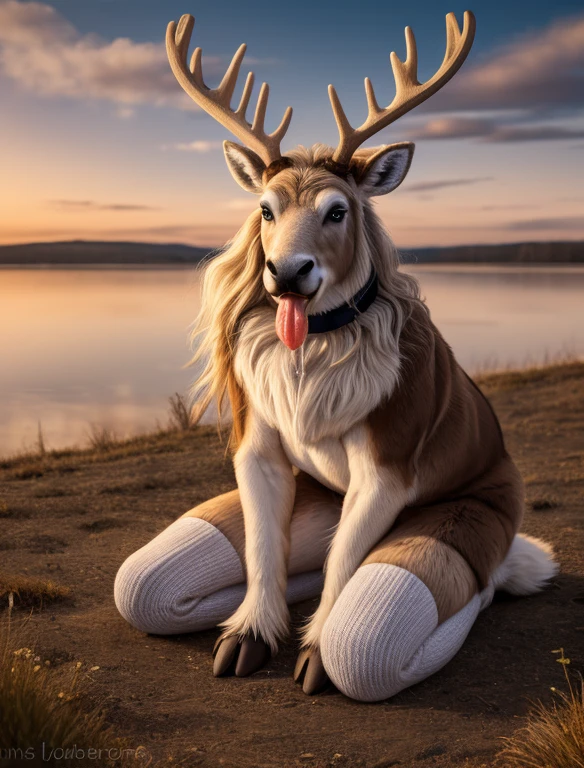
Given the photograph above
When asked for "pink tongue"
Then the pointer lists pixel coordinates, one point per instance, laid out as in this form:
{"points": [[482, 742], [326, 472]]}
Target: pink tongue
{"points": [[291, 320]]}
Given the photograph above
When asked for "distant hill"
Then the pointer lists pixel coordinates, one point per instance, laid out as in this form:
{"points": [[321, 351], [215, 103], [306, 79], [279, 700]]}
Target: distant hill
{"points": [[95, 252], [511, 253], [108, 253]]}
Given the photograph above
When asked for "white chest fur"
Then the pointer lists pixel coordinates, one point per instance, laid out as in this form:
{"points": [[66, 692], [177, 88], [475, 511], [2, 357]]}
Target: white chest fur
{"points": [[315, 395], [325, 460]]}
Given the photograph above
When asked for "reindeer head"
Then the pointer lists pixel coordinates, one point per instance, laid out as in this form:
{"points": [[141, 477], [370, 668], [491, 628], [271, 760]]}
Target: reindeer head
{"points": [[312, 201]]}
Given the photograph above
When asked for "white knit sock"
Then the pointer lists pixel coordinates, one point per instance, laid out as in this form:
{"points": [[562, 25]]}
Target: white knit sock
{"points": [[189, 578], [382, 634]]}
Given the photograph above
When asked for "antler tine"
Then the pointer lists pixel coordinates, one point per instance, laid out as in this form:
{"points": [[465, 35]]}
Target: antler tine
{"points": [[183, 33], [409, 92], [453, 34], [405, 73], [227, 86], [343, 124], [411, 62], [280, 131], [217, 102], [197, 67], [246, 95], [372, 104], [260, 111]]}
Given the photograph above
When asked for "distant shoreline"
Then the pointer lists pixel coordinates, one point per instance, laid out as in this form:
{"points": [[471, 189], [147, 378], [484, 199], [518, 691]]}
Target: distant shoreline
{"points": [[92, 254], [439, 266], [121, 266]]}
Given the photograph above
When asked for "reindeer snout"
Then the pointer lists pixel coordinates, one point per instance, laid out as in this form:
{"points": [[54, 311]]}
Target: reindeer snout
{"points": [[292, 276]]}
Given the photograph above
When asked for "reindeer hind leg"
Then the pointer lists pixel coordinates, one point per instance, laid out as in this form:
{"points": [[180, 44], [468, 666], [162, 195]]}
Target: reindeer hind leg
{"points": [[413, 601]]}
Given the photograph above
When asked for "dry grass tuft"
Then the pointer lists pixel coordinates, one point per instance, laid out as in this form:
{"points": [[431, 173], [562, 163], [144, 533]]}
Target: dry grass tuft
{"points": [[42, 721], [41, 447], [102, 438], [29, 470], [31, 592], [180, 416], [553, 736]]}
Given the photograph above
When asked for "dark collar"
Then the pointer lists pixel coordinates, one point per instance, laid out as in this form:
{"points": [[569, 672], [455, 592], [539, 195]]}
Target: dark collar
{"points": [[347, 312]]}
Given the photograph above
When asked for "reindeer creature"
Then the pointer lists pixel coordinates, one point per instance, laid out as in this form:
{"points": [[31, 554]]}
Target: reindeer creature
{"points": [[357, 437]]}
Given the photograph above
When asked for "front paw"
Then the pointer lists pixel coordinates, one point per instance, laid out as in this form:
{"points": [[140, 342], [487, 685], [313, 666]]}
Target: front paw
{"points": [[310, 672], [240, 655], [260, 615]]}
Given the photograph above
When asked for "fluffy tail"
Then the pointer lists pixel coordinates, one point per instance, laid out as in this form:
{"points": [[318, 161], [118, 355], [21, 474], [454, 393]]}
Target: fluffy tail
{"points": [[528, 567]]}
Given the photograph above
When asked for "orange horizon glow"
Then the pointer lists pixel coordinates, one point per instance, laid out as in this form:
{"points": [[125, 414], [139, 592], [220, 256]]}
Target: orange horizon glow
{"points": [[94, 149]]}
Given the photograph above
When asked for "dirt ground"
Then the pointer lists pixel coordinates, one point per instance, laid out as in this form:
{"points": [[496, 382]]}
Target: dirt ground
{"points": [[75, 516]]}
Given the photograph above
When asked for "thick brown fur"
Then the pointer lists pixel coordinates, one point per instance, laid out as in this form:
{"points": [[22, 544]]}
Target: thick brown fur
{"points": [[438, 426]]}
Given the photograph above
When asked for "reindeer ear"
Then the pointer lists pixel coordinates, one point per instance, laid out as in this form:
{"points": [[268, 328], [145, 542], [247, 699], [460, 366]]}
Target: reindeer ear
{"points": [[382, 170], [246, 167]]}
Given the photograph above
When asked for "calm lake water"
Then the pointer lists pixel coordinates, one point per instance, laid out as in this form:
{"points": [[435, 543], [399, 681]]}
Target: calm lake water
{"points": [[108, 346]]}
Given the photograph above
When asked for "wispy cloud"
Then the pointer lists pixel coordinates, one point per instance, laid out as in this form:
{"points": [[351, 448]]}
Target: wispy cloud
{"points": [[561, 223], [537, 71], [242, 203], [125, 113], [452, 128], [195, 146], [433, 186], [91, 205], [515, 133], [510, 207], [43, 52], [489, 131]]}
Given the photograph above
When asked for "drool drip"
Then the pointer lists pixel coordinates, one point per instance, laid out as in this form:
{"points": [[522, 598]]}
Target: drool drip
{"points": [[299, 371], [299, 361]]}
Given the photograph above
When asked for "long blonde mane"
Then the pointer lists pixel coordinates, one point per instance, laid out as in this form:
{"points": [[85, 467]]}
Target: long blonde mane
{"points": [[232, 287]]}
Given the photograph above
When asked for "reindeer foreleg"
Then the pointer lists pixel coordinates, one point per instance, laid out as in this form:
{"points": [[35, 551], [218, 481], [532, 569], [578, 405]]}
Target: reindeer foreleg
{"points": [[375, 497], [267, 487]]}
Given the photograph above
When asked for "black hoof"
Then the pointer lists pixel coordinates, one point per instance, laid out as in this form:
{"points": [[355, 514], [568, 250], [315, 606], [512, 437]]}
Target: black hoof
{"points": [[240, 656], [310, 672]]}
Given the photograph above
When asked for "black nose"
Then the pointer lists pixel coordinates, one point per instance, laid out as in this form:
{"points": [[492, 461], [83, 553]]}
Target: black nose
{"points": [[305, 268], [300, 272]]}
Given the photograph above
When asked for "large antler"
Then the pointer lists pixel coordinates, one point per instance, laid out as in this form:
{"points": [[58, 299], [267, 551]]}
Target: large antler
{"points": [[409, 92], [217, 101]]}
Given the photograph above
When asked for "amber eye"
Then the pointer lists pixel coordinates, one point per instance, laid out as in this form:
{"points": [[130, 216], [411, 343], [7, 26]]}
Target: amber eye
{"points": [[336, 214], [267, 215]]}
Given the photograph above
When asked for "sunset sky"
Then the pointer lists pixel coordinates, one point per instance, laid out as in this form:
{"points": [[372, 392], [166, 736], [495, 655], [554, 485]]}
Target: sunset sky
{"points": [[99, 142]]}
